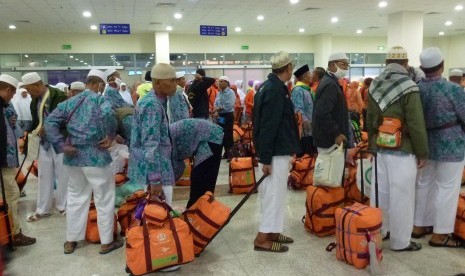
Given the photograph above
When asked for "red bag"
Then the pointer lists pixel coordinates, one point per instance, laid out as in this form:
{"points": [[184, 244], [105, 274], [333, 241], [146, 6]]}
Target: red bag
{"points": [[241, 175]]}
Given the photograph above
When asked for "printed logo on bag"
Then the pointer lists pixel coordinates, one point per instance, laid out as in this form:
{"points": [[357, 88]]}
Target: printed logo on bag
{"points": [[165, 249], [363, 243], [162, 237]]}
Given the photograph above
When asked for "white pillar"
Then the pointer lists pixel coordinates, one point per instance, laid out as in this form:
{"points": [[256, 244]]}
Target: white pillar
{"points": [[406, 29], [323, 49], [162, 47]]}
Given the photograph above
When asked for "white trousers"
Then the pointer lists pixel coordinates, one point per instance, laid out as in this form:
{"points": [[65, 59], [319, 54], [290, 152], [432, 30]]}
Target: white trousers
{"points": [[437, 194], [51, 171], [396, 179], [272, 193], [83, 182]]}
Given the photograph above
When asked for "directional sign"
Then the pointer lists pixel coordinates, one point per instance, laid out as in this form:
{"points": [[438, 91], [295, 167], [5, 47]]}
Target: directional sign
{"points": [[213, 30], [114, 29]]}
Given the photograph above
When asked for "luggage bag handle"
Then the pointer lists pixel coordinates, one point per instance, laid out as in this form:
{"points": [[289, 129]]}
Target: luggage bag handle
{"points": [[362, 181]]}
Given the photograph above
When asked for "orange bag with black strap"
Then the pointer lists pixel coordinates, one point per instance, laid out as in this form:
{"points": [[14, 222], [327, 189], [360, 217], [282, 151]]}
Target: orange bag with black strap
{"points": [[248, 132], [122, 177], [301, 174], [238, 133], [185, 179], [460, 218], [127, 208], [205, 218], [241, 175], [4, 231], [92, 234], [321, 205]]}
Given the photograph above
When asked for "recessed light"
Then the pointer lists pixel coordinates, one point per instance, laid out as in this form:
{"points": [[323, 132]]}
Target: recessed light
{"points": [[441, 33], [359, 31], [93, 27], [169, 28], [86, 14], [81, 61], [301, 30], [179, 56], [334, 19], [178, 15], [294, 1], [76, 59], [26, 55], [71, 57], [151, 57], [45, 61], [238, 29], [382, 4], [458, 8], [221, 56], [85, 63], [260, 17], [448, 23], [12, 27]]}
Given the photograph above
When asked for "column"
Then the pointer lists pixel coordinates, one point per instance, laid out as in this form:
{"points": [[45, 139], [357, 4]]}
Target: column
{"points": [[162, 47], [323, 49], [406, 29]]}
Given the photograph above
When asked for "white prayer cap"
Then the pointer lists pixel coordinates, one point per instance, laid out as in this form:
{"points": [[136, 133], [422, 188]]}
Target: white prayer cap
{"points": [[163, 71], [431, 57], [110, 71], [456, 73], [179, 75], [280, 59], [61, 85], [396, 53], [21, 90], [19, 84], [30, 78], [97, 73], [228, 79], [123, 84], [77, 85], [9, 79], [338, 56]]}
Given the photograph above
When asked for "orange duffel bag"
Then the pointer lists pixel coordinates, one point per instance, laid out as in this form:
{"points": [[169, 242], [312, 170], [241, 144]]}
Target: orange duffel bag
{"points": [[92, 234], [127, 208], [241, 175], [460, 218], [238, 133], [4, 231], [205, 218], [149, 249], [301, 174], [321, 205], [185, 179], [248, 132]]}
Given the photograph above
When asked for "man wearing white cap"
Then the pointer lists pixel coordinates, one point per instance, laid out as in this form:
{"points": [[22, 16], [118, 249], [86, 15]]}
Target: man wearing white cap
{"points": [[44, 100], [276, 139], [394, 102], [125, 93], [23, 109], [76, 88], [91, 126], [456, 76], [178, 104], [62, 86], [224, 112], [438, 184], [9, 159], [330, 116]]}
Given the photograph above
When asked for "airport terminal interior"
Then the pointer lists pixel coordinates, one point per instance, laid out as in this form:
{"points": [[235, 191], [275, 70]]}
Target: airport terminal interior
{"points": [[62, 40]]}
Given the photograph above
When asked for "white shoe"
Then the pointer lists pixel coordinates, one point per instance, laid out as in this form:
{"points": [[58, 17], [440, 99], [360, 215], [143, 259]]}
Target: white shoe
{"points": [[171, 269]]}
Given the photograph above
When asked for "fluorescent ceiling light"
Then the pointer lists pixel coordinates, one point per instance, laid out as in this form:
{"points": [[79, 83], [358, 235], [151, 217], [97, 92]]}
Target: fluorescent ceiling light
{"points": [[238, 29], [178, 15], [382, 4], [448, 23], [334, 19], [294, 1], [441, 33], [260, 17], [301, 30], [458, 8], [359, 31], [169, 28], [12, 27], [93, 27], [86, 14], [71, 57]]}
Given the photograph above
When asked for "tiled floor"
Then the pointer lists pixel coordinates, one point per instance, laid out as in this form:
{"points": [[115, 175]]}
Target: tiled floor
{"points": [[231, 253]]}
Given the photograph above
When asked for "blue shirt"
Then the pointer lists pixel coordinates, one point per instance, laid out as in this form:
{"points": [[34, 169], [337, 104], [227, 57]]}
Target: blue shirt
{"points": [[92, 121], [225, 99], [178, 106], [11, 138], [303, 103], [113, 95]]}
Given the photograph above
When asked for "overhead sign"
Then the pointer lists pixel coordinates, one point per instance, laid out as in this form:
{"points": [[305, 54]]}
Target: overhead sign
{"points": [[115, 29], [213, 30], [66, 47], [244, 47]]}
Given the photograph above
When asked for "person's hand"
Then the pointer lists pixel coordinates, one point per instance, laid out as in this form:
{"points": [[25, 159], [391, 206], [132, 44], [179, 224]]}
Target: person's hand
{"points": [[69, 150], [351, 156], [105, 143], [341, 138], [156, 193], [266, 169], [421, 163], [41, 132]]}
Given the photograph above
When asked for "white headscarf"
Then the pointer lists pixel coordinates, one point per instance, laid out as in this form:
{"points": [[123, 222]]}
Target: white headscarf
{"points": [[240, 91]]}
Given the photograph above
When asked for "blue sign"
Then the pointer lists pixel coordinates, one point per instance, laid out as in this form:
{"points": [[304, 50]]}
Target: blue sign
{"points": [[213, 30], [114, 29]]}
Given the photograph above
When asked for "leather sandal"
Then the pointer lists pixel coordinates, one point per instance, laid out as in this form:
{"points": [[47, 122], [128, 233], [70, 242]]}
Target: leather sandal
{"points": [[445, 243], [413, 246], [69, 247], [426, 231], [275, 247], [115, 245]]}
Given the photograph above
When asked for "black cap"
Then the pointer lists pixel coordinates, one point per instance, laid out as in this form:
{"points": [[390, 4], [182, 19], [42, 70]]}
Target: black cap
{"points": [[147, 76], [200, 72], [302, 70]]}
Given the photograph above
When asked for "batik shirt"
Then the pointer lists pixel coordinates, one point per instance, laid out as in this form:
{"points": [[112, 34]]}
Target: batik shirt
{"points": [[11, 138], [444, 110], [150, 150], [92, 121], [225, 99], [303, 103], [115, 98], [178, 106], [189, 138]]}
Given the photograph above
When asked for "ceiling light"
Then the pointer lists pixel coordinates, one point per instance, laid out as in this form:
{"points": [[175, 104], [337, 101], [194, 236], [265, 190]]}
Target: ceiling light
{"points": [[93, 27], [70, 56], [301, 30], [294, 1], [81, 61], [86, 14], [169, 28], [26, 55], [238, 29], [85, 63], [458, 8], [178, 15], [441, 33], [76, 59], [448, 23], [221, 56], [334, 19], [382, 4], [359, 31], [12, 27], [45, 61], [260, 17], [151, 57]]}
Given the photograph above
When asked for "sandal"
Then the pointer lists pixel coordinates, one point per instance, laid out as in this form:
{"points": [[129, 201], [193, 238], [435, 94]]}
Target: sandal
{"points": [[445, 243], [426, 231], [62, 213], [283, 239], [275, 247], [37, 217], [413, 246], [115, 245], [69, 247], [387, 237]]}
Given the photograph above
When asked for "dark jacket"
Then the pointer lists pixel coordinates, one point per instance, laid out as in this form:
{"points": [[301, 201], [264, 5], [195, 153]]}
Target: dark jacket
{"points": [[198, 97], [330, 115], [275, 130], [56, 96], [3, 138]]}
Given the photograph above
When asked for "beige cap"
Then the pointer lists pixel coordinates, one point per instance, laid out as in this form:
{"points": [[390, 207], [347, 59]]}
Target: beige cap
{"points": [[338, 56], [456, 73], [280, 59], [397, 52], [77, 85], [163, 71], [97, 73], [9, 79], [30, 78]]}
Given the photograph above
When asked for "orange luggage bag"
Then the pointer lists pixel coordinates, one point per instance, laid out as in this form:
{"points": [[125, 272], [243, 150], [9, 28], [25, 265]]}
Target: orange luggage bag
{"points": [[205, 218], [5, 228], [92, 234], [460, 218], [127, 208], [185, 179], [241, 175], [301, 174]]}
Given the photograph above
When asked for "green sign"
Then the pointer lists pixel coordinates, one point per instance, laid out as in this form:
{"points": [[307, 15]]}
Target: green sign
{"points": [[381, 48], [66, 46], [245, 47]]}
